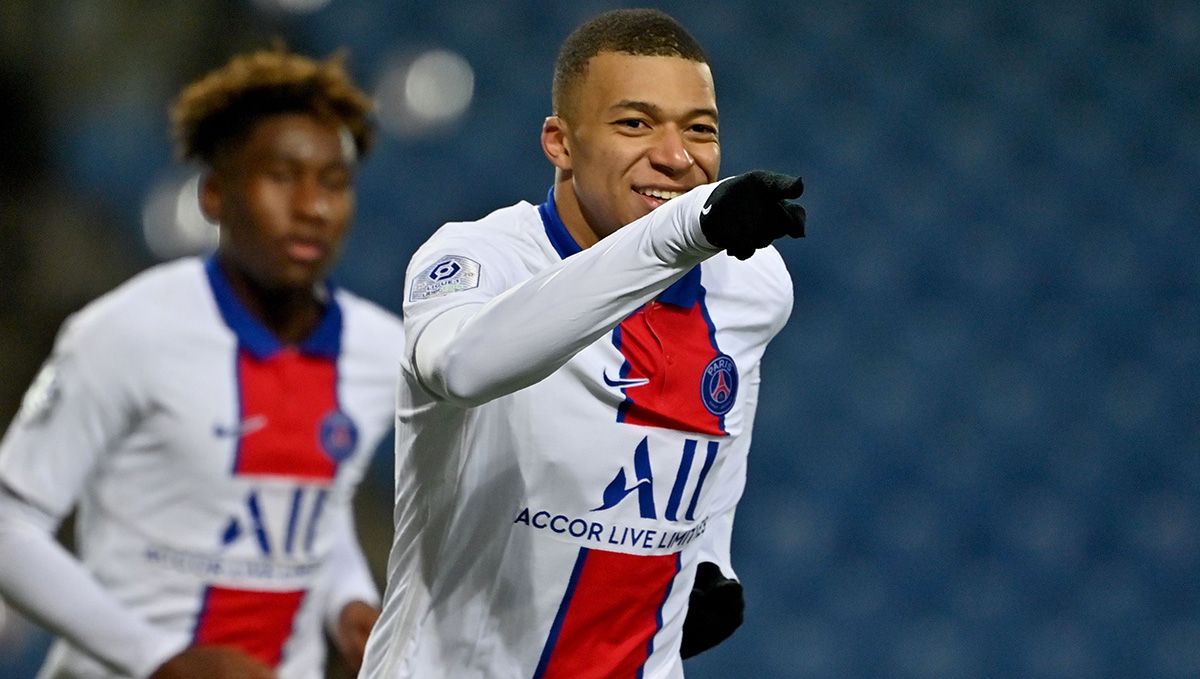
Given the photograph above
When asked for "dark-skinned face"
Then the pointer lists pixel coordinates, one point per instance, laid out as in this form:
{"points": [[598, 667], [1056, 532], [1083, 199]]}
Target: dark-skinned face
{"points": [[284, 198]]}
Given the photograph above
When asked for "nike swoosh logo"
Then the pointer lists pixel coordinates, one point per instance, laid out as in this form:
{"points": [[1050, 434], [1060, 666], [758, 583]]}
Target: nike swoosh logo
{"points": [[625, 383], [244, 428], [705, 210]]}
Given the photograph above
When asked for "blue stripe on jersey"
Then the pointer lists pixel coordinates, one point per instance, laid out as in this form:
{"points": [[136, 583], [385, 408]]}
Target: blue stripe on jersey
{"points": [[556, 231], [325, 340], [621, 409]]}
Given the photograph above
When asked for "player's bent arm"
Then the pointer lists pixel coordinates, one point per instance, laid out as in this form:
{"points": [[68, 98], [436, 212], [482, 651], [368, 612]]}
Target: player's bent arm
{"points": [[347, 577], [473, 353], [52, 587]]}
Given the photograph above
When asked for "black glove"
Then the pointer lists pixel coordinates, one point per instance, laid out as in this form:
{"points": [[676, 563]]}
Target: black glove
{"points": [[751, 210], [714, 610]]}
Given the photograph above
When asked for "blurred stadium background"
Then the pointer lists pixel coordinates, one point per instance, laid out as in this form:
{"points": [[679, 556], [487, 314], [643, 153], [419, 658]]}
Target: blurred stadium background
{"points": [[978, 452]]}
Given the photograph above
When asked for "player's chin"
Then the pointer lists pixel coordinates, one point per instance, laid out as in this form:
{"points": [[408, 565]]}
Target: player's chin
{"points": [[300, 275]]}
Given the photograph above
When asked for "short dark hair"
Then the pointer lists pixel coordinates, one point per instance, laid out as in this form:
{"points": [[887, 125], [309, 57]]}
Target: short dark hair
{"points": [[640, 32], [221, 107]]}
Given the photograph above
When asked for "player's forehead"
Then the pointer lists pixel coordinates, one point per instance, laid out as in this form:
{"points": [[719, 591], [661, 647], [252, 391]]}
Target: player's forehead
{"points": [[670, 83], [298, 137]]}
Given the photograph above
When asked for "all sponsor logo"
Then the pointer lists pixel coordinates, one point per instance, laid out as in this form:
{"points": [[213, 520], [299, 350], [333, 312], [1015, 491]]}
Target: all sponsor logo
{"points": [[635, 482]]}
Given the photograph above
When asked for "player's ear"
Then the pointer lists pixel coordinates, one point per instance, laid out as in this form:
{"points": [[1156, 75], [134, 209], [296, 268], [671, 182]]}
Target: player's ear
{"points": [[210, 196], [554, 142]]}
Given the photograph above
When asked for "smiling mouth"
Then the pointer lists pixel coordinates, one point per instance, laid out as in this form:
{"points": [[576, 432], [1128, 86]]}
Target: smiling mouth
{"points": [[659, 194]]}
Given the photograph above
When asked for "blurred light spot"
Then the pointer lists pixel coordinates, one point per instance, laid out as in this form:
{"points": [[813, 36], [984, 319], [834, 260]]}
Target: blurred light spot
{"points": [[297, 6], [172, 222], [424, 94]]}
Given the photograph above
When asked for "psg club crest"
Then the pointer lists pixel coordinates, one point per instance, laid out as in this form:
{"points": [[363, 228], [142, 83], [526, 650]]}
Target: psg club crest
{"points": [[718, 385], [339, 436]]}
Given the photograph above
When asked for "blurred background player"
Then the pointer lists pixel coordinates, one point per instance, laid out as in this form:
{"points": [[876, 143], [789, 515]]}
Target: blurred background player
{"points": [[578, 394], [211, 419]]}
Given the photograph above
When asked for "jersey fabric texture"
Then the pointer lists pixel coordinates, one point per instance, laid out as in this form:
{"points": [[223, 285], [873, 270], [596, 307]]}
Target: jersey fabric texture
{"points": [[213, 467], [554, 531]]}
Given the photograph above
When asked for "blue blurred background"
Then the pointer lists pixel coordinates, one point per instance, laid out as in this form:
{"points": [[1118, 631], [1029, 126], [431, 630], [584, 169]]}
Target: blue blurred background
{"points": [[978, 450]]}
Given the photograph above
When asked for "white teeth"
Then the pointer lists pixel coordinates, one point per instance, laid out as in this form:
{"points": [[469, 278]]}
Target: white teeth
{"points": [[660, 194]]}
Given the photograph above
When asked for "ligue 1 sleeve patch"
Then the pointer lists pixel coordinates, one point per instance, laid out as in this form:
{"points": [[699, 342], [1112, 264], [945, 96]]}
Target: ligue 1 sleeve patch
{"points": [[450, 274], [41, 397]]}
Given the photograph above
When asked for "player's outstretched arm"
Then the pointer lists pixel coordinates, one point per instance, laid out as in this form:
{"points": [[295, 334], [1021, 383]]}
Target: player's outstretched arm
{"points": [[473, 353]]}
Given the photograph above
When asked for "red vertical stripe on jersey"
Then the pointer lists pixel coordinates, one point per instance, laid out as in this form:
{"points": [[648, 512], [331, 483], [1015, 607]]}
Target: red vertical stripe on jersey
{"points": [[258, 623], [284, 398], [609, 617], [671, 346]]}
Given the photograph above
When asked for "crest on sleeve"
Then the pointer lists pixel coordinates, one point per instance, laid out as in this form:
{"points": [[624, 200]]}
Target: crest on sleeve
{"points": [[41, 396], [451, 273]]}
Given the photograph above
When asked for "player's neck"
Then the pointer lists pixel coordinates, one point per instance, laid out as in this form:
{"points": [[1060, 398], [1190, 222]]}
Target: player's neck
{"points": [[291, 314], [571, 214]]}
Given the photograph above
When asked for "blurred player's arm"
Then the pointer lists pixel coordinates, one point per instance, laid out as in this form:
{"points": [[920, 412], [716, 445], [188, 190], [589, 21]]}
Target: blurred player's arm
{"points": [[79, 405], [47, 583], [74, 411], [351, 601]]}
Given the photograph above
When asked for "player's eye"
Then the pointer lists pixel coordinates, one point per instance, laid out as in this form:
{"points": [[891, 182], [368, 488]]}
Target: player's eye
{"points": [[633, 124], [338, 180], [280, 173], [704, 129]]}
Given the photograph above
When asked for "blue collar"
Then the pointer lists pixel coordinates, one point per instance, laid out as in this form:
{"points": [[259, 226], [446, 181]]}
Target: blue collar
{"points": [[325, 340], [556, 231], [683, 293]]}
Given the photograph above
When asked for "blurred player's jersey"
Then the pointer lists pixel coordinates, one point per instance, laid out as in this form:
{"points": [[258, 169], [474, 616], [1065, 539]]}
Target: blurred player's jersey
{"points": [[554, 532], [212, 466]]}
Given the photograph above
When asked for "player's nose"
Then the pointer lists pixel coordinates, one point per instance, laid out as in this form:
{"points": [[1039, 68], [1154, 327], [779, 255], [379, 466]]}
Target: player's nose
{"points": [[311, 201], [670, 154]]}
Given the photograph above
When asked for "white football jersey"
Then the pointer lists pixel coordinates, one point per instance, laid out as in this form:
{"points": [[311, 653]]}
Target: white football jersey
{"points": [[554, 531], [213, 467]]}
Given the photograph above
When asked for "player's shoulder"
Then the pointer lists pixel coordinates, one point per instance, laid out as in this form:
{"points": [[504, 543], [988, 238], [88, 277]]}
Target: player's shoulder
{"points": [[509, 228], [368, 322], [145, 306]]}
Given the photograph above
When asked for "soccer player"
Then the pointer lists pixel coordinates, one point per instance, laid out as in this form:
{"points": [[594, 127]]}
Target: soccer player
{"points": [[579, 387], [211, 419]]}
